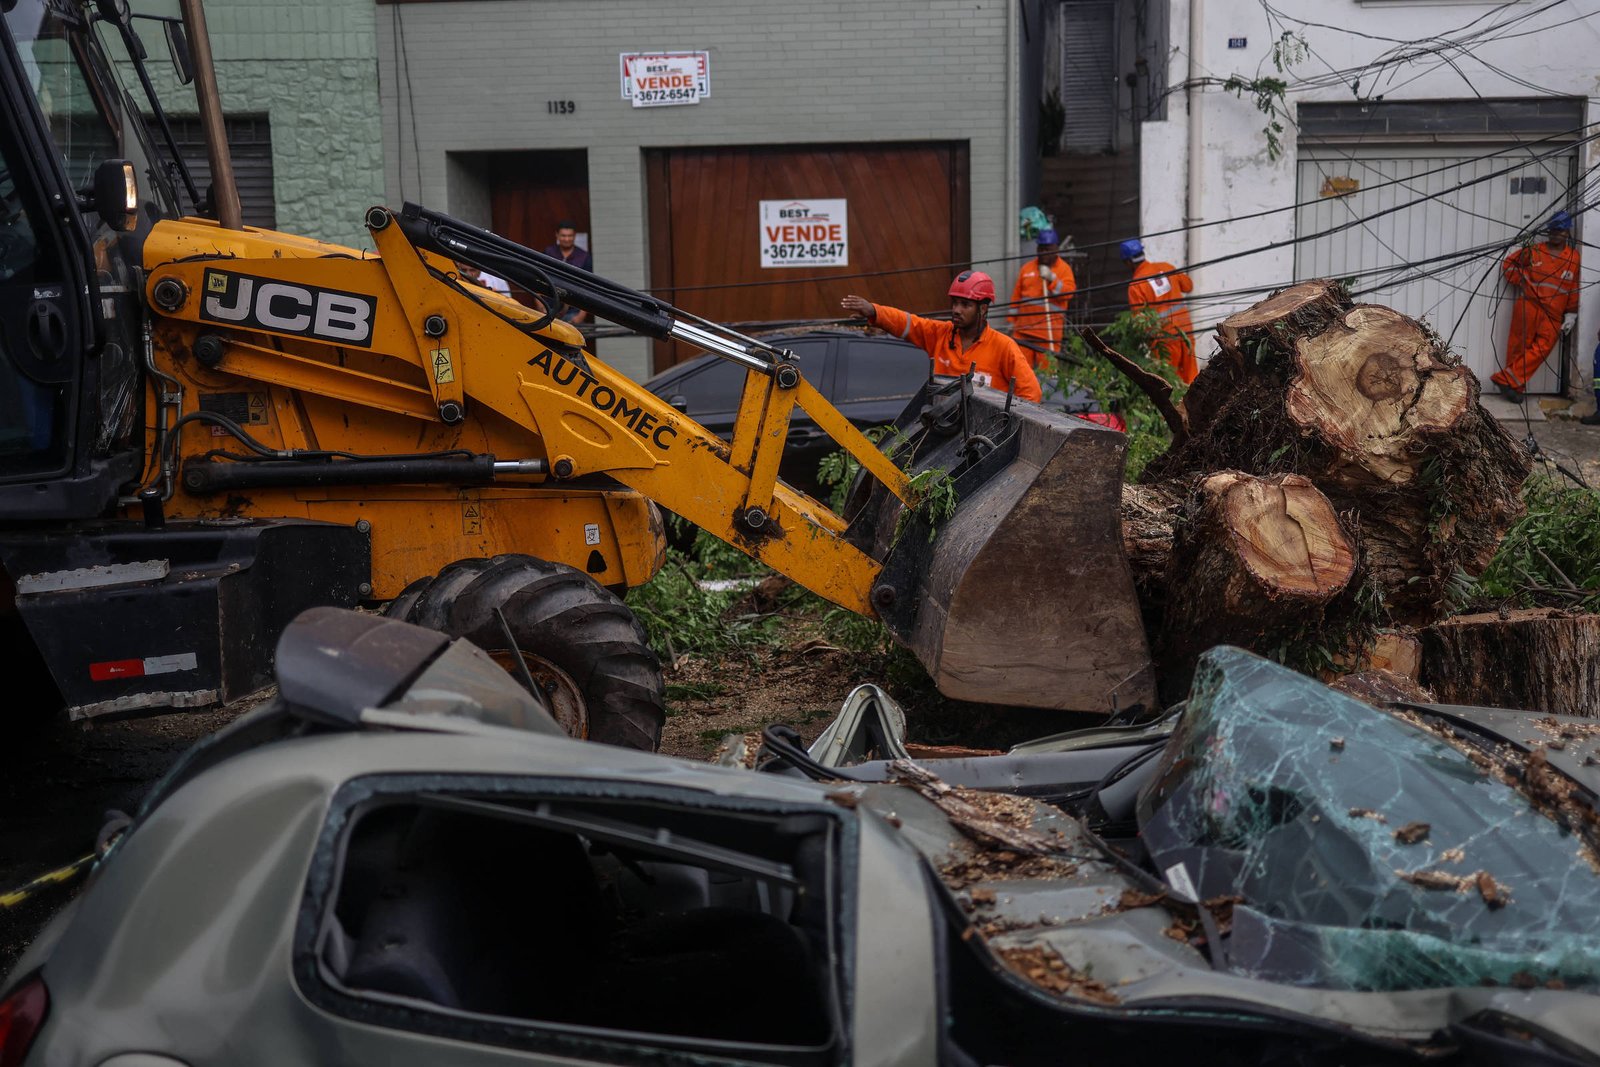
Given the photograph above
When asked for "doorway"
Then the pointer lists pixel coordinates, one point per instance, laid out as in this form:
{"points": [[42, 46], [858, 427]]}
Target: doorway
{"points": [[531, 192]]}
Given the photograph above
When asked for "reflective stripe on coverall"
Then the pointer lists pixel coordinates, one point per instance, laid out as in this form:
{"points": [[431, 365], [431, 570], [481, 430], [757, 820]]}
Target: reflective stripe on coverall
{"points": [[997, 356], [1038, 307], [1546, 282], [1165, 294]]}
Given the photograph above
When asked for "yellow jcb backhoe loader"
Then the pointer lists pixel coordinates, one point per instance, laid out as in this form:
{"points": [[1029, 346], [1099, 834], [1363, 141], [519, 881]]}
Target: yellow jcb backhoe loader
{"points": [[211, 427]]}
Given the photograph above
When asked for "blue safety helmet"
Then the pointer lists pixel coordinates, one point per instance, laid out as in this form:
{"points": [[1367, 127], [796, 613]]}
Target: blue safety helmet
{"points": [[1560, 221], [1048, 236], [1132, 248]]}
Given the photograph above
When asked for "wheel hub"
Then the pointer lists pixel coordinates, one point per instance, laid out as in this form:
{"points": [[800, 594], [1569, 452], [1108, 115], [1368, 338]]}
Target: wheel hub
{"points": [[559, 693]]}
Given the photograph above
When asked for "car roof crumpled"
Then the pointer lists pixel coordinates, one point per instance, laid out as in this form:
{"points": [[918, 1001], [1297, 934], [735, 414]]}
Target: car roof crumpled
{"points": [[1365, 851]]}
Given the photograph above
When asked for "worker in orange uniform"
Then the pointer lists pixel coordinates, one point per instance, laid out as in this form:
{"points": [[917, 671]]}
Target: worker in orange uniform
{"points": [[965, 342], [1545, 276], [1040, 299], [1160, 287]]}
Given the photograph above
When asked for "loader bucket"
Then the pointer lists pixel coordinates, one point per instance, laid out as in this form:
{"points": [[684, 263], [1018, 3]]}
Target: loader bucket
{"points": [[1023, 596]]}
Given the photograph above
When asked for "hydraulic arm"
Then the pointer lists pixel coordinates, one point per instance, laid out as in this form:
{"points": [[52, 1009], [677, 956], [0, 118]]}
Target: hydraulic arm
{"points": [[504, 395]]}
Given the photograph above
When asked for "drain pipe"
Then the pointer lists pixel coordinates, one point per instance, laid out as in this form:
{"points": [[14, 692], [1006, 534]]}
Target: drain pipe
{"points": [[1195, 201], [224, 192]]}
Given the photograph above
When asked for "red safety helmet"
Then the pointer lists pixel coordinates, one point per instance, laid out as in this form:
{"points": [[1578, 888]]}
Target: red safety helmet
{"points": [[973, 285]]}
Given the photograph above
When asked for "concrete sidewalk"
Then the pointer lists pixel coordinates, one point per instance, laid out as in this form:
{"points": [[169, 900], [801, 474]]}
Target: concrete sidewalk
{"points": [[1553, 423]]}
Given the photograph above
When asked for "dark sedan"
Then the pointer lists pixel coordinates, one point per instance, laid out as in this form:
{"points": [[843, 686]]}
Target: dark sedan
{"points": [[870, 379]]}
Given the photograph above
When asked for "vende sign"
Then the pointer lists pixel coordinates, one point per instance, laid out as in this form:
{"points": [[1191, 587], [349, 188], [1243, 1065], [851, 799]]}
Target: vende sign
{"points": [[805, 233], [661, 79]]}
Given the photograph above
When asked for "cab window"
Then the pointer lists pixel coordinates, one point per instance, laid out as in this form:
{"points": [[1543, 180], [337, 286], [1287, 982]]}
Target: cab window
{"points": [[75, 107]]}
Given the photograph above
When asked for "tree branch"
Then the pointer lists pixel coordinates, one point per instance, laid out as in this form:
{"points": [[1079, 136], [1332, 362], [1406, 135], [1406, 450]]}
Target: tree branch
{"points": [[1154, 386]]}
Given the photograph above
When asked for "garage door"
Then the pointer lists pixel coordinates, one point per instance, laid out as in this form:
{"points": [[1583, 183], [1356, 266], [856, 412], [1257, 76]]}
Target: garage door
{"points": [[1413, 251], [249, 145], [905, 205]]}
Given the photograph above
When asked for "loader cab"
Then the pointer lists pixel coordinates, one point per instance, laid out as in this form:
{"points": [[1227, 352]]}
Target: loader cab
{"points": [[79, 189]]}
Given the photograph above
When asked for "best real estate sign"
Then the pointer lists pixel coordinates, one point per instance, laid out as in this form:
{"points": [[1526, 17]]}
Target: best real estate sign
{"points": [[805, 233], [662, 79]]}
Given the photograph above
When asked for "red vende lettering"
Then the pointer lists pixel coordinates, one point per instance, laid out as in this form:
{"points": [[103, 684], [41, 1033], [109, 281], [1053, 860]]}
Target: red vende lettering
{"points": [[835, 233], [772, 233]]}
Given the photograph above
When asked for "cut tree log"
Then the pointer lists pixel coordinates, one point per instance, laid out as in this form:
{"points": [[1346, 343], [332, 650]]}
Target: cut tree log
{"points": [[1372, 408], [1256, 563], [1541, 659], [1403, 486]]}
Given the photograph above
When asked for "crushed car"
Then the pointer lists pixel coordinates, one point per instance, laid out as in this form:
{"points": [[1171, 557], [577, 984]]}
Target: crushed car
{"points": [[402, 860]]}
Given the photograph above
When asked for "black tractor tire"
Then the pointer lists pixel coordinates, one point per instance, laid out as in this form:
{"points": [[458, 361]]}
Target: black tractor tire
{"points": [[580, 641]]}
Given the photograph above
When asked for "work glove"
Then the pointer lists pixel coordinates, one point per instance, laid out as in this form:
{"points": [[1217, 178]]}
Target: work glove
{"points": [[1047, 274], [1568, 322]]}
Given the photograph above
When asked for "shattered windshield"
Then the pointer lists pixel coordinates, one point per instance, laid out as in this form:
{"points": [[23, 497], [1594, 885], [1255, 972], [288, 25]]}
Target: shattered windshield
{"points": [[1363, 853]]}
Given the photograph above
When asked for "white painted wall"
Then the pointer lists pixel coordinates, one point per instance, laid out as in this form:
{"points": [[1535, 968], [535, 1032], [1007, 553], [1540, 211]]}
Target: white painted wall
{"points": [[476, 74], [1548, 49]]}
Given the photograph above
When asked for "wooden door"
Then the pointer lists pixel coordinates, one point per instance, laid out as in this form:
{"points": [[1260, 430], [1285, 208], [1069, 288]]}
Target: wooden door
{"points": [[908, 226], [532, 191]]}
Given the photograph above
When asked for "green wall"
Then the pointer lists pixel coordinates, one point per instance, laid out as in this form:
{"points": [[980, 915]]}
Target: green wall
{"points": [[312, 69]]}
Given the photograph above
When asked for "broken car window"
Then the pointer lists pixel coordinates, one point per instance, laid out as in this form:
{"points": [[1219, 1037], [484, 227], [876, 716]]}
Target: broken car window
{"points": [[1364, 853]]}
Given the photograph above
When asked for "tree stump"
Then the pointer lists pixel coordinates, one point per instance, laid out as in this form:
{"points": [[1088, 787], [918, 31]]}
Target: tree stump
{"points": [[1541, 659], [1257, 562]]}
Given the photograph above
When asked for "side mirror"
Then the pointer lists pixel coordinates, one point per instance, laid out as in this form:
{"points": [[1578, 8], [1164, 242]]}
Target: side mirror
{"points": [[679, 401], [115, 194], [178, 49]]}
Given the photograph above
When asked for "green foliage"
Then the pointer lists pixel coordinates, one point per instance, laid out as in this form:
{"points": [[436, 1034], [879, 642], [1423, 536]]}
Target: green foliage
{"points": [[1133, 335], [933, 500], [1552, 555], [694, 690], [852, 632], [1317, 646], [681, 617], [1268, 92], [838, 469]]}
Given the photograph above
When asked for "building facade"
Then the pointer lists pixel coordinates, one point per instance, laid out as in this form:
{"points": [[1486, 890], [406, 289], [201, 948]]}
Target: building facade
{"points": [[299, 85], [900, 120], [1411, 169]]}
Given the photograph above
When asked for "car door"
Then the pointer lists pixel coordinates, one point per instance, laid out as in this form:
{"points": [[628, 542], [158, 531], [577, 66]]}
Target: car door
{"points": [[708, 391], [876, 377]]}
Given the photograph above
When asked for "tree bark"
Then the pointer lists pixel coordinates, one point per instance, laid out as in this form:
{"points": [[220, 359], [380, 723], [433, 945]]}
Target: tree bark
{"points": [[1381, 417], [1256, 563], [1402, 484], [1541, 659]]}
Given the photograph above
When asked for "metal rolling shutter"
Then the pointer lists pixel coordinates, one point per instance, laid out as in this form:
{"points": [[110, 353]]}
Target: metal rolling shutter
{"points": [[250, 143], [1088, 74], [1467, 302]]}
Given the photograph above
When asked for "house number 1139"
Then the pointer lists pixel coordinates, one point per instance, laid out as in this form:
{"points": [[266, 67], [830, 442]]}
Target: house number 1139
{"points": [[561, 107]]}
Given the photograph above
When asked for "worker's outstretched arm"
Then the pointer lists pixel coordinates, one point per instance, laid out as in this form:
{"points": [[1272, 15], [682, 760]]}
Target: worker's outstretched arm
{"points": [[924, 333], [1184, 282]]}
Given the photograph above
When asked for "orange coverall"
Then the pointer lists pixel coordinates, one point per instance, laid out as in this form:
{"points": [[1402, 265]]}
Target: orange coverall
{"points": [[1149, 290], [997, 356], [1038, 307], [1547, 289]]}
